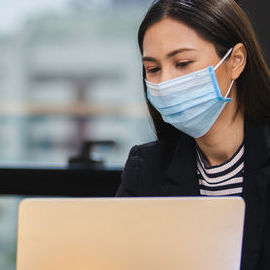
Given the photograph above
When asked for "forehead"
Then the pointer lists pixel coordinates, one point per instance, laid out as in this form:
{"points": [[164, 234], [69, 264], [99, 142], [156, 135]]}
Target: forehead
{"points": [[168, 35]]}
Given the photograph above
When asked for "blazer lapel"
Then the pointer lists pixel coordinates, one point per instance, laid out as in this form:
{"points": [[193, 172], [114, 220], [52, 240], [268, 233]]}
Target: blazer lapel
{"points": [[182, 173]]}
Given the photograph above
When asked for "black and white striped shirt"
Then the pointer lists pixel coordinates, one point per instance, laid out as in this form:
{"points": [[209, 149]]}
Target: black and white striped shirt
{"points": [[224, 179]]}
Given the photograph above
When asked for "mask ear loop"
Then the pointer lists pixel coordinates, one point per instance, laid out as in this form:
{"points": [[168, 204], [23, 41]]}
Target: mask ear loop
{"points": [[220, 63], [228, 92], [223, 59]]}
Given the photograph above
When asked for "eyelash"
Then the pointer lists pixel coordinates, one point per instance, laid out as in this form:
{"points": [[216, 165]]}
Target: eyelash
{"points": [[183, 64], [153, 70], [180, 65]]}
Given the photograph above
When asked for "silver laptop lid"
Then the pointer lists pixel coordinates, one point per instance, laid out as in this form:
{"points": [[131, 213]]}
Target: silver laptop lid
{"points": [[130, 233]]}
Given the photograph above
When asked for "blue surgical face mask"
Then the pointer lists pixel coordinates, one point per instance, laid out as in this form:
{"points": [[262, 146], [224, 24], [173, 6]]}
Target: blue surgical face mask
{"points": [[191, 103]]}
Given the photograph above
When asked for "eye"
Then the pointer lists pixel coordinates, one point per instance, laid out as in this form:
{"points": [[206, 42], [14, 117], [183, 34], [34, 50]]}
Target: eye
{"points": [[152, 70], [183, 64]]}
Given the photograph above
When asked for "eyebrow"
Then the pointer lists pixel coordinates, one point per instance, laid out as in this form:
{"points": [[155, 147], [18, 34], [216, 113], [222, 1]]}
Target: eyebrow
{"points": [[169, 55]]}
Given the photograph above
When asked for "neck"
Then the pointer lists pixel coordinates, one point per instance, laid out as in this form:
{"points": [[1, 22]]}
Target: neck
{"points": [[223, 139]]}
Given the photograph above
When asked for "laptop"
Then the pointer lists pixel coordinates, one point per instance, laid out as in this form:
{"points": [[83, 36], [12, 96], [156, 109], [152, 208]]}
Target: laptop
{"points": [[156, 233]]}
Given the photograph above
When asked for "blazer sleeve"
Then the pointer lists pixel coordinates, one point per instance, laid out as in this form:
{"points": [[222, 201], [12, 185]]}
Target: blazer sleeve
{"points": [[130, 178]]}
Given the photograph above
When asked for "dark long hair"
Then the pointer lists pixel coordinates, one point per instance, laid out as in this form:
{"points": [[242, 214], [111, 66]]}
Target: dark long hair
{"points": [[223, 23]]}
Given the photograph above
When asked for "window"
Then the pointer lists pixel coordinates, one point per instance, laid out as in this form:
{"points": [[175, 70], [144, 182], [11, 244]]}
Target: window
{"points": [[70, 71]]}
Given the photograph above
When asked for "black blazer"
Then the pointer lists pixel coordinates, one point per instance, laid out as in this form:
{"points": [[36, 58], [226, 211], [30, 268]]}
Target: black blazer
{"points": [[169, 169]]}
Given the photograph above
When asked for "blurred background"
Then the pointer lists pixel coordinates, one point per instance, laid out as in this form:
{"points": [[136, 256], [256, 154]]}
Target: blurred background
{"points": [[70, 72]]}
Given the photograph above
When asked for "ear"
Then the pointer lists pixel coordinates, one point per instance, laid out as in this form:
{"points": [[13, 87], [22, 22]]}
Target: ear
{"points": [[238, 60]]}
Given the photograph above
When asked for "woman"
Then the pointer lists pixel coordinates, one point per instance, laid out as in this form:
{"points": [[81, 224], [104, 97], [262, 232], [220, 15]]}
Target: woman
{"points": [[207, 88]]}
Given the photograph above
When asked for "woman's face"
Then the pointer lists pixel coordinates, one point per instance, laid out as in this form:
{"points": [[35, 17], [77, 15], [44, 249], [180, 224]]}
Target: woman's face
{"points": [[171, 49]]}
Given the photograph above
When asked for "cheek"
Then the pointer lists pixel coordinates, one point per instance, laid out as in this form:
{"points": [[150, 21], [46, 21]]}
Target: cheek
{"points": [[223, 81]]}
